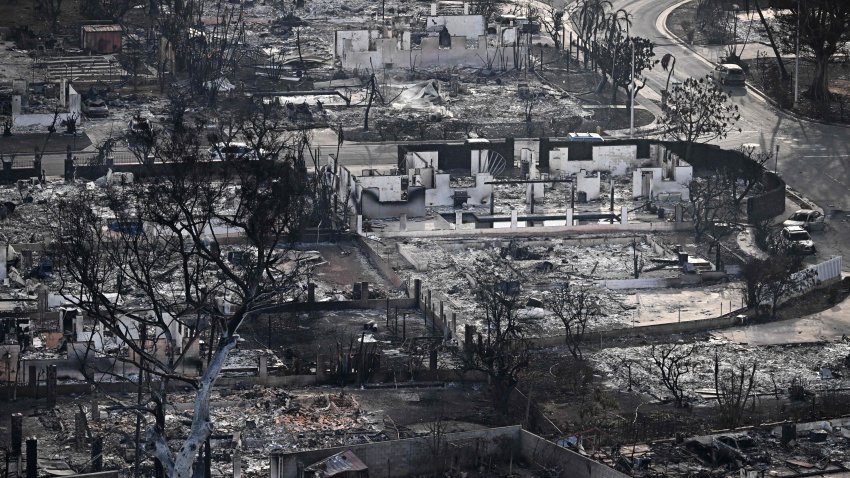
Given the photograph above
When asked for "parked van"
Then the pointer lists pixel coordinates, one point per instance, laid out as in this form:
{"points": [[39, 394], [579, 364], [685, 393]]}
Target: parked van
{"points": [[586, 137], [729, 74]]}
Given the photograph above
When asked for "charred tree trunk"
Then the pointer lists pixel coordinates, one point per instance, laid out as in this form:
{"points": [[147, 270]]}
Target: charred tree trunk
{"points": [[782, 71], [819, 89]]}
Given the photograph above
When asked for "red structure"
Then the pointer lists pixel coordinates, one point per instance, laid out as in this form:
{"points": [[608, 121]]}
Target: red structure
{"points": [[101, 38]]}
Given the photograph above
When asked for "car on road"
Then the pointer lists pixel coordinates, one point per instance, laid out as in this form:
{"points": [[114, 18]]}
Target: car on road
{"points": [[233, 152], [808, 219], [799, 241], [95, 108], [729, 74]]}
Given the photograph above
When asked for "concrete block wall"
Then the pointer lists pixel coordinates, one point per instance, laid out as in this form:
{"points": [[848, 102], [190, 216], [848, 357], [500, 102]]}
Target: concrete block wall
{"points": [[570, 464], [417, 456], [618, 159], [589, 184], [410, 457], [393, 53], [460, 25]]}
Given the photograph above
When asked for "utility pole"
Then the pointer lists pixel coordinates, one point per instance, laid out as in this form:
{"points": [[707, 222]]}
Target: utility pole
{"points": [[776, 161], [631, 84], [797, 59]]}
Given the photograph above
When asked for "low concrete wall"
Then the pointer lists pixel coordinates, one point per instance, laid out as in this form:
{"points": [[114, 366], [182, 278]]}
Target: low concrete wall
{"points": [[689, 326], [377, 304], [413, 456], [464, 450], [652, 283], [376, 260], [546, 230], [568, 463]]}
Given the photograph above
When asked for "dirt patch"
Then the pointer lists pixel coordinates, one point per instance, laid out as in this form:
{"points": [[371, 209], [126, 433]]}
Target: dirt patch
{"points": [[763, 74], [56, 143]]}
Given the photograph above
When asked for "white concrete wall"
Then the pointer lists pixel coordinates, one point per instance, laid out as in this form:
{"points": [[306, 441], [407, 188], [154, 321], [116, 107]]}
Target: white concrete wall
{"points": [[478, 160], [616, 159], [442, 194], [664, 189], [423, 159], [359, 40], [683, 174], [589, 184], [46, 119], [460, 25], [3, 272], [389, 187], [537, 189], [393, 53], [75, 103], [637, 181], [480, 194]]}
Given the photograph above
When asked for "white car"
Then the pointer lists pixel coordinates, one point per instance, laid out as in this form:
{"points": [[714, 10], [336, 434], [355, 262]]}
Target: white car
{"points": [[729, 74], [808, 219]]}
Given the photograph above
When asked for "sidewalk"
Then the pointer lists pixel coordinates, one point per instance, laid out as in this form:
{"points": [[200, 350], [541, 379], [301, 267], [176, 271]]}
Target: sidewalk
{"points": [[827, 326]]}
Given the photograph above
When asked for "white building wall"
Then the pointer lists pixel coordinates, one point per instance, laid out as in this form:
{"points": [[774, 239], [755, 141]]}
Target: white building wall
{"points": [[589, 184], [618, 160], [389, 187], [441, 194], [460, 25]]}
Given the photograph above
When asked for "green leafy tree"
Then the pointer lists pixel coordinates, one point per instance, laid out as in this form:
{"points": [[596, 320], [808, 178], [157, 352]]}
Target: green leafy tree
{"points": [[615, 59], [824, 30], [699, 111]]}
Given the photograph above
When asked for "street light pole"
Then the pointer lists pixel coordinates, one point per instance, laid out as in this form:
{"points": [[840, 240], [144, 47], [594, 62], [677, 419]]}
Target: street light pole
{"points": [[797, 58], [631, 85], [632, 93]]}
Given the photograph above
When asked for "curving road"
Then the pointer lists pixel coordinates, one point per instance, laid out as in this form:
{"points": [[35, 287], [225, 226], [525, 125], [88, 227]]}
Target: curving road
{"points": [[813, 158]]}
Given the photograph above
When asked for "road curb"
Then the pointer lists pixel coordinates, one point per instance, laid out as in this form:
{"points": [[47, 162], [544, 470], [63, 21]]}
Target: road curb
{"points": [[791, 113]]}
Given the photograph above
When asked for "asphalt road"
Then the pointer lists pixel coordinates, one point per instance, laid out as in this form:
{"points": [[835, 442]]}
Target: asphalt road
{"points": [[813, 158]]}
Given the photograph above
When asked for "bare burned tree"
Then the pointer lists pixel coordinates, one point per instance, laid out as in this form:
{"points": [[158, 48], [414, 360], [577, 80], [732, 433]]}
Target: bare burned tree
{"points": [[51, 9], [490, 9], [552, 19], [713, 209], [734, 389], [172, 269], [743, 176], [501, 350], [576, 305], [673, 362], [772, 280]]}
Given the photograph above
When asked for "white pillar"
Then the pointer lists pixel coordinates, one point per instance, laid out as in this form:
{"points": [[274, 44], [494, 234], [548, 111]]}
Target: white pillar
{"points": [[434, 9], [2, 262], [402, 222], [569, 217], [263, 367], [360, 224], [458, 219], [624, 215], [237, 464], [513, 218], [16, 105]]}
